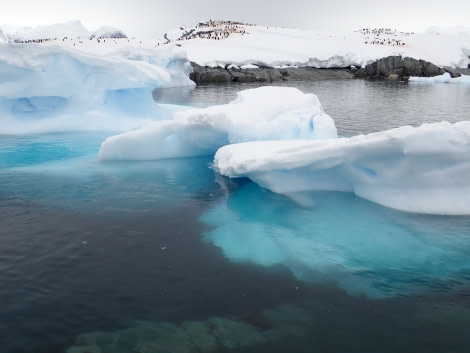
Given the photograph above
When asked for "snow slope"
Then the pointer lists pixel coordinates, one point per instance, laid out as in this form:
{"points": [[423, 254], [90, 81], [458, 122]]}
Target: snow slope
{"points": [[59, 31], [275, 46], [218, 43]]}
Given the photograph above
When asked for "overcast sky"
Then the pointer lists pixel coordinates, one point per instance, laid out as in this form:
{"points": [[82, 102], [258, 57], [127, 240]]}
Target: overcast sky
{"points": [[151, 18]]}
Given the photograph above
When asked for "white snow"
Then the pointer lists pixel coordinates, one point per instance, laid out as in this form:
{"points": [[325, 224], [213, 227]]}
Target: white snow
{"points": [[249, 66], [71, 29], [444, 78], [219, 43], [108, 32], [421, 169], [278, 47], [265, 113]]}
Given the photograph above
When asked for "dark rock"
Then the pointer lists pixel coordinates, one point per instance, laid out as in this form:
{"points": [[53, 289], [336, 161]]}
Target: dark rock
{"points": [[308, 73], [371, 70], [392, 67], [217, 77], [453, 72], [396, 67], [457, 72], [202, 74], [463, 71], [431, 70], [412, 67], [361, 73], [205, 75]]}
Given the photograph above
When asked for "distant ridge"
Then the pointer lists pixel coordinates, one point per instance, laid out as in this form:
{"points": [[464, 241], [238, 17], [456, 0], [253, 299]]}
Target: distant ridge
{"points": [[40, 34]]}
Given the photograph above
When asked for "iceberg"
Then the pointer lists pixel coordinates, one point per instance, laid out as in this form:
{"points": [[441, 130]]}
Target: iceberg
{"points": [[444, 78], [54, 88], [264, 113], [423, 169]]}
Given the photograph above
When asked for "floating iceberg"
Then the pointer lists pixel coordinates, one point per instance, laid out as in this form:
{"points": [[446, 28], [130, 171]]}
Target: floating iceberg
{"points": [[265, 113], [422, 169], [444, 78], [52, 88]]}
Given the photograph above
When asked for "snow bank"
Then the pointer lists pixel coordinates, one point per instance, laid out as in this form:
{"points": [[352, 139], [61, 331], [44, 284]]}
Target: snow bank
{"points": [[43, 84], [278, 47], [265, 113], [421, 169], [445, 78]]}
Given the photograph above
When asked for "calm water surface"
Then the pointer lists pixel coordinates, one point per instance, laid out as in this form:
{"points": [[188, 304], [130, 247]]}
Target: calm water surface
{"points": [[146, 252]]}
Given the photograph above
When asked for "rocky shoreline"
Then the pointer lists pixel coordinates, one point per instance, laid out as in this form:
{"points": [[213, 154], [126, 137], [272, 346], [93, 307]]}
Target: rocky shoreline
{"points": [[392, 67]]}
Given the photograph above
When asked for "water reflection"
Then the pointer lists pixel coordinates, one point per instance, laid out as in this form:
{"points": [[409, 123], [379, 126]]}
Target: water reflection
{"points": [[173, 95]]}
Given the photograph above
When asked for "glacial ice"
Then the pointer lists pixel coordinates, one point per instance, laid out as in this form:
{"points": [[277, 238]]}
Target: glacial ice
{"points": [[344, 241], [444, 78], [422, 169], [265, 113], [52, 88]]}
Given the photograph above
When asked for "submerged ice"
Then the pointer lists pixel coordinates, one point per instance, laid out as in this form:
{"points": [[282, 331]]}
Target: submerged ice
{"points": [[265, 113], [345, 241]]}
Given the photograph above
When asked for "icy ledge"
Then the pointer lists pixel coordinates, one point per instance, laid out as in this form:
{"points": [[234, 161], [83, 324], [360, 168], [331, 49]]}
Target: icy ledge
{"points": [[54, 88], [424, 169], [264, 113]]}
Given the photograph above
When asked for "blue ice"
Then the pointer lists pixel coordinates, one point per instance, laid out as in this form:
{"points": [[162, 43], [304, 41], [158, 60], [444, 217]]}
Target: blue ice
{"points": [[345, 241]]}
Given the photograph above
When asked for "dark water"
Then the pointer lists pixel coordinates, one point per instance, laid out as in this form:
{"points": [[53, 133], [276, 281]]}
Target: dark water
{"points": [[88, 246]]}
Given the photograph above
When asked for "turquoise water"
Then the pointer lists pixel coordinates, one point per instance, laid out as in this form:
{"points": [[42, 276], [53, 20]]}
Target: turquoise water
{"points": [[165, 256], [345, 241]]}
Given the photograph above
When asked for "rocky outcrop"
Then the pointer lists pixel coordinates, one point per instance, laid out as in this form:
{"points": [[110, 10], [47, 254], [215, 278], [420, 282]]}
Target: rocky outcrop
{"points": [[457, 72], [397, 67], [392, 67], [206, 75]]}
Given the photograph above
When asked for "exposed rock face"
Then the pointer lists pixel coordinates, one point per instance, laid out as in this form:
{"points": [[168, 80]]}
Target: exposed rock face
{"points": [[397, 67], [204, 75], [457, 72], [392, 67]]}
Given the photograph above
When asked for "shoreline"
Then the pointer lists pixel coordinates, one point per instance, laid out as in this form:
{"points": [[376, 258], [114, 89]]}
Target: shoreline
{"points": [[391, 68], [219, 75]]}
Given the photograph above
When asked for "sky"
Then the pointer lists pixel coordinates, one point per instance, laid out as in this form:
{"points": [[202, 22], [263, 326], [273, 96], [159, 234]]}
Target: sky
{"points": [[152, 18]]}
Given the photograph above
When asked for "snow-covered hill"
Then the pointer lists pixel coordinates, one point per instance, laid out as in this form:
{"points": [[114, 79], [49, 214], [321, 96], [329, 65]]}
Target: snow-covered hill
{"points": [[221, 43], [217, 43], [55, 32]]}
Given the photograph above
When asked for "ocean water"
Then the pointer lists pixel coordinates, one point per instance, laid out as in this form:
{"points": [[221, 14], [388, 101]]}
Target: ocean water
{"points": [[168, 256]]}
